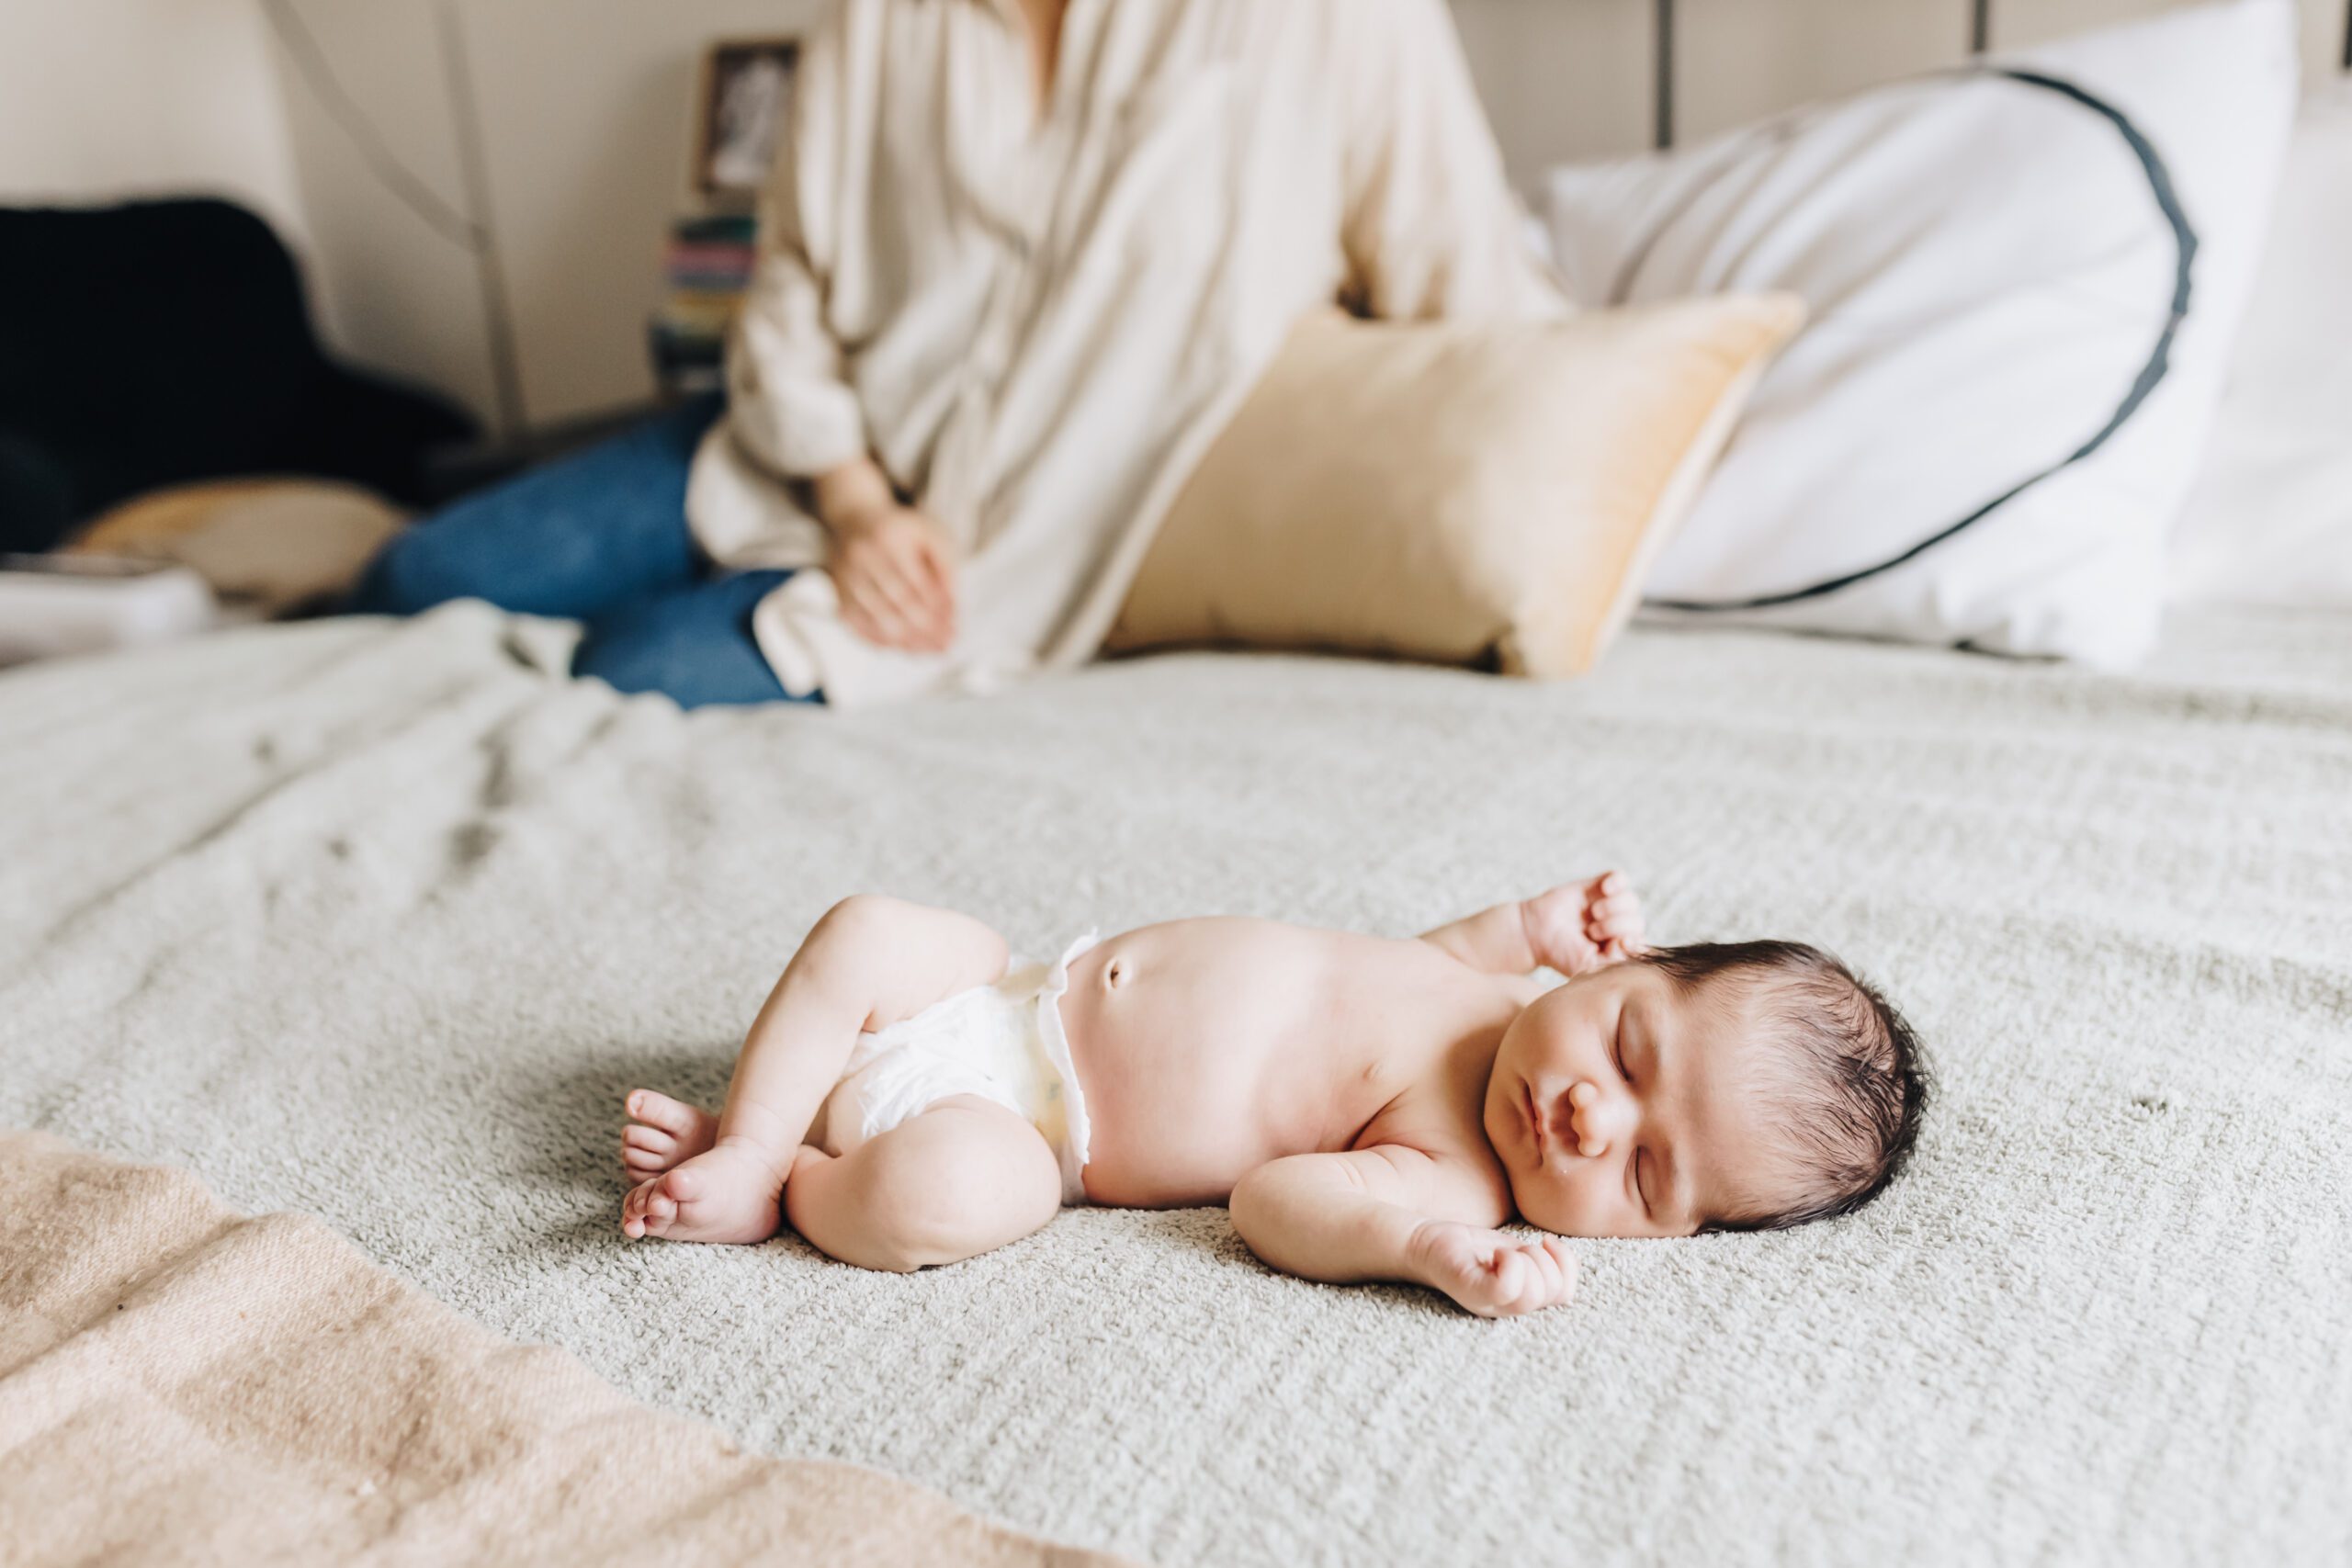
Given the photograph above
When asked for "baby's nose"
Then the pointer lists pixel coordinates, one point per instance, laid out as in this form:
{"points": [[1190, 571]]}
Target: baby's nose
{"points": [[1594, 1118]]}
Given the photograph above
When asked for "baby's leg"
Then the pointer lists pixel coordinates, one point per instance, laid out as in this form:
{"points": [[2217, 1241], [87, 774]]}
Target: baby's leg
{"points": [[963, 1178], [867, 964]]}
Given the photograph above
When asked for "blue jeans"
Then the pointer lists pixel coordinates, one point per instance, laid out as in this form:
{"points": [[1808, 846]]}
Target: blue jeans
{"points": [[600, 538]]}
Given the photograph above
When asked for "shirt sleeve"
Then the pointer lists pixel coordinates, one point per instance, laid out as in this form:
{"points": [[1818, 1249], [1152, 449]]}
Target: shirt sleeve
{"points": [[790, 404], [1431, 227]]}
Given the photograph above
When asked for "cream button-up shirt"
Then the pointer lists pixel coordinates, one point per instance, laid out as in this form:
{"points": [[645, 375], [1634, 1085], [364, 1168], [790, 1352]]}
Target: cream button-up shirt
{"points": [[1036, 322]]}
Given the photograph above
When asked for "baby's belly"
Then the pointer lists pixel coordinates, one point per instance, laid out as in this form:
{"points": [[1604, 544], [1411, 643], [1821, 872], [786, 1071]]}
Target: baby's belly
{"points": [[1206, 1048]]}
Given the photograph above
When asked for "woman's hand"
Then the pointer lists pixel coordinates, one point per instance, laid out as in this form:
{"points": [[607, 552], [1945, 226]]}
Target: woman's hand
{"points": [[896, 576], [1493, 1273]]}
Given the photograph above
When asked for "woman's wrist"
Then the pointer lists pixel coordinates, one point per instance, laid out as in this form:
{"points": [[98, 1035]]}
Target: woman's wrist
{"points": [[854, 495]]}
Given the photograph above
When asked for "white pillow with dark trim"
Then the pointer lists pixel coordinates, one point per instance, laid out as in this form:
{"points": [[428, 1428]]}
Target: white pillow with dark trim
{"points": [[2023, 279]]}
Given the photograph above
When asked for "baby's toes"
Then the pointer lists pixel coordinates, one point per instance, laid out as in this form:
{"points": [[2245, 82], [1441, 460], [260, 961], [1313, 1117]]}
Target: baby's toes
{"points": [[661, 1208], [633, 1209], [647, 1150], [673, 1117]]}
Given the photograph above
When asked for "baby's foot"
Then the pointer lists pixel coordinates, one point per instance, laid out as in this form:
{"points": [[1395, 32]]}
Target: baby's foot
{"points": [[730, 1193], [665, 1133]]}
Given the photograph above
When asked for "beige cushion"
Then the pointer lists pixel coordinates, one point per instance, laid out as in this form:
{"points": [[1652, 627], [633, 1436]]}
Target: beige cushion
{"points": [[1451, 491], [270, 545]]}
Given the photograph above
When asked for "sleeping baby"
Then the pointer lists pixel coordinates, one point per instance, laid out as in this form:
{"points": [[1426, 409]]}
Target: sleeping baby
{"points": [[1369, 1109]]}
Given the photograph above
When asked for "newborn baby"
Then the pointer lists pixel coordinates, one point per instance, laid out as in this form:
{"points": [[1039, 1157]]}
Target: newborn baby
{"points": [[1369, 1109]]}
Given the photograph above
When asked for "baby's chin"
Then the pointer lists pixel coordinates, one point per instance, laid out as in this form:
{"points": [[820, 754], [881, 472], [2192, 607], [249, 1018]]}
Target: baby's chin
{"points": [[1583, 1233], [1523, 1187]]}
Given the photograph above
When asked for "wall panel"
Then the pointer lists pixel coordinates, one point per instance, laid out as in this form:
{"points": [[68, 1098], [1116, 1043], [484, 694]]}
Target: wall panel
{"points": [[106, 99], [2020, 22], [1561, 79], [1738, 61], [391, 289], [2327, 25], [2017, 24], [586, 114]]}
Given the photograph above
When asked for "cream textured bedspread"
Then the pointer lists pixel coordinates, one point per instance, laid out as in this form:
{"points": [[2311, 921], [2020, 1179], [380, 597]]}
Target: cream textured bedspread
{"points": [[377, 921]]}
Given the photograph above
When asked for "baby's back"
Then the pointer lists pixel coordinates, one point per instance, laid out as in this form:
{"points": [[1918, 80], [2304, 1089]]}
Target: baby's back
{"points": [[1208, 1047]]}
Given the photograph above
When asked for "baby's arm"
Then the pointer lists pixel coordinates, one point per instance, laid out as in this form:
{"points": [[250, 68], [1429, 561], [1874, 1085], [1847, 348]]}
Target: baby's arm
{"points": [[1386, 1212], [1575, 927]]}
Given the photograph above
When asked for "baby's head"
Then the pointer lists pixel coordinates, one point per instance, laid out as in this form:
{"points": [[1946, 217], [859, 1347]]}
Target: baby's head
{"points": [[1743, 1086]]}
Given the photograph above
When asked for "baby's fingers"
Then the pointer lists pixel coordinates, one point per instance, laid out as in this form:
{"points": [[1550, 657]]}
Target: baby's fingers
{"points": [[1545, 1279], [1559, 1271], [1614, 915], [1620, 940], [1608, 884], [1522, 1278], [1507, 1281], [1476, 1272]]}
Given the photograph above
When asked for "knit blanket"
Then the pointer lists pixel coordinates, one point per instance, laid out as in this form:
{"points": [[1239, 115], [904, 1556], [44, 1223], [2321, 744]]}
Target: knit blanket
{"points": [[379, 921]]}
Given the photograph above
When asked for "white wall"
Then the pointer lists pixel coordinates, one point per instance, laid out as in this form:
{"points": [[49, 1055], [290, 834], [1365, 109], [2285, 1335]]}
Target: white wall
{"points": [[101, 99], [1741, 60], [584, 115], [393, 292], [583, 111], [588, 148], [1574, 78], [1561, 80]]}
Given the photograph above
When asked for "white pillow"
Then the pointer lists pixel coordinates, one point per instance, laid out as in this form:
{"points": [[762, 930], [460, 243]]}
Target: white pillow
{"points": [[2270, 519], [1992, 266]]}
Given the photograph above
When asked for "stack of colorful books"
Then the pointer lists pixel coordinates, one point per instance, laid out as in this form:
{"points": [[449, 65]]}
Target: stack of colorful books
{"points": [[707, 265]]}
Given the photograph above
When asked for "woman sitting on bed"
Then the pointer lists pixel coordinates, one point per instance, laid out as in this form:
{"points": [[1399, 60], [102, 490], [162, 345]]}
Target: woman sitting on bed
{"points": [[1020, 261]]}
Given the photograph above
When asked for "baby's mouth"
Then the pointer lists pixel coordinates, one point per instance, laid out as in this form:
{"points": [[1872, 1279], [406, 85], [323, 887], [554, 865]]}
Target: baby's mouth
{"points": [[1535, 1121]]}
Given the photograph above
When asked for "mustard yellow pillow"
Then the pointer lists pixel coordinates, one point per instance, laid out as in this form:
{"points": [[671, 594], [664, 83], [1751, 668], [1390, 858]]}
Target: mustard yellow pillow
{"points": [[1447, 491]]}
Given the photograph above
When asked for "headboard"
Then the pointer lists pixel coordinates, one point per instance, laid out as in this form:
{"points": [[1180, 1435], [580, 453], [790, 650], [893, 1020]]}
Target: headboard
{"points": [[1565, 79]]}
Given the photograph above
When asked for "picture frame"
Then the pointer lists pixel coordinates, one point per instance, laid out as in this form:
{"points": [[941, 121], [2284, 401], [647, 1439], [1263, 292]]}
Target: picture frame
{"points": [[746, 99]]}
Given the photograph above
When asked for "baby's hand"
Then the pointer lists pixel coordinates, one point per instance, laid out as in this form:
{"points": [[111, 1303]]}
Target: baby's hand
{"points": [[1584, 926], [1493, 1273]]}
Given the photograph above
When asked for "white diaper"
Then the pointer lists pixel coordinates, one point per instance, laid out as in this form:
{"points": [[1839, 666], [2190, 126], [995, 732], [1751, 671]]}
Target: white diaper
{"points": [[1003, 1043]]}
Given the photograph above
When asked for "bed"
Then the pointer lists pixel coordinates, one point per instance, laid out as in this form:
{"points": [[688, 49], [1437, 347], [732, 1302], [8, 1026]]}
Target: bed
{"points": [[377, 921]]}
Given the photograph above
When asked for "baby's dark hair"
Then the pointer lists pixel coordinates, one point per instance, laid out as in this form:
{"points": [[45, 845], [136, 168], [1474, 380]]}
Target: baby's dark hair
{"points": [[1858, 1084]]}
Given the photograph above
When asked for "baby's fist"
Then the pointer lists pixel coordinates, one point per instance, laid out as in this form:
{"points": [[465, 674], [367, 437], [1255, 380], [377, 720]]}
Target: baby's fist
{"points": [[1494, 1273], [1583, 926]]}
